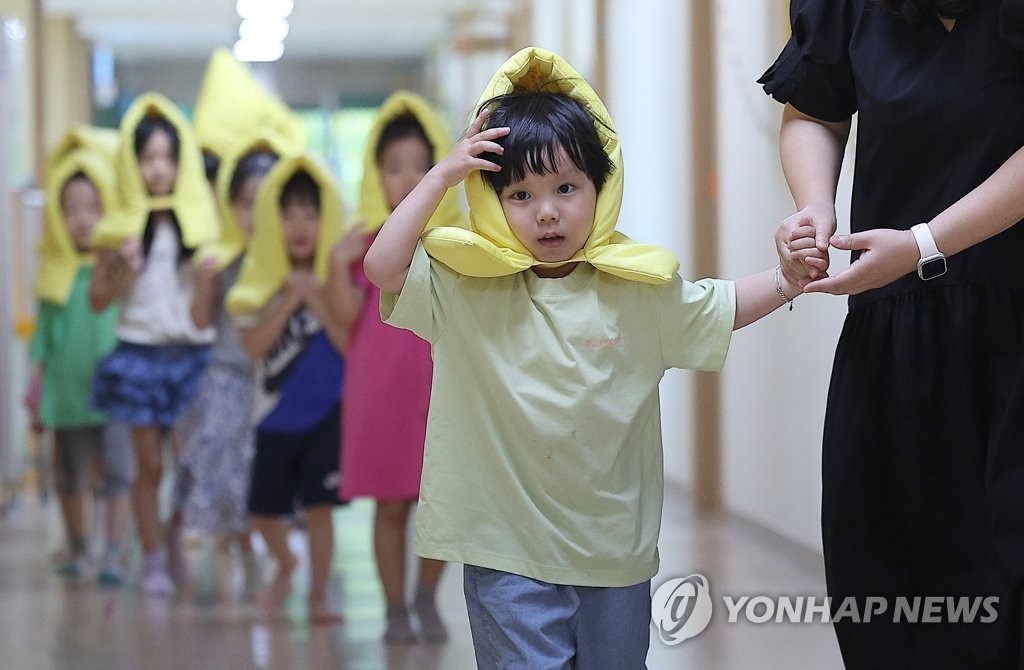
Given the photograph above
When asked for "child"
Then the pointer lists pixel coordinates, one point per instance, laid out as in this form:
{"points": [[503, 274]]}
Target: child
{"points": [[165, 212], [542, 470], [212, 477], [67, 343], [285, 305], [387, 371]]}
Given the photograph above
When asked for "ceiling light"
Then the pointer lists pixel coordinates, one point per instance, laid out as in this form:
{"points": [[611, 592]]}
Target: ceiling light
{"points": [[263, 30], [258, 52], [264, 9]]}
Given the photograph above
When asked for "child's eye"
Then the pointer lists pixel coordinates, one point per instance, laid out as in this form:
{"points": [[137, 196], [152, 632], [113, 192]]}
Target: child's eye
{"points": [[519, 195], [566, 188]]}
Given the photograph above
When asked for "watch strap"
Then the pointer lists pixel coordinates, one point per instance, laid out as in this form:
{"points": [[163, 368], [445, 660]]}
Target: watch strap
{"points": [[925, 241]]}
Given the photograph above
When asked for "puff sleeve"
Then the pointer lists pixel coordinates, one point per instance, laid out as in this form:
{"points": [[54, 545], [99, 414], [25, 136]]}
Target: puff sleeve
{"points": [[813, 71], [1011, 23]]}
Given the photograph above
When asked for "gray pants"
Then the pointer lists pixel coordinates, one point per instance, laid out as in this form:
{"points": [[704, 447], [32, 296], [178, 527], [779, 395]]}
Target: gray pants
{"points": [[106, 450]]}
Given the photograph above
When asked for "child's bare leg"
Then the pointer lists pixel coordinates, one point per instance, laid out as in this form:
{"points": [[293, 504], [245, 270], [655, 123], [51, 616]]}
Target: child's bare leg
{"points": [[389, 539], [275, 533], [149, 458], [320, 530], [433, 628]]}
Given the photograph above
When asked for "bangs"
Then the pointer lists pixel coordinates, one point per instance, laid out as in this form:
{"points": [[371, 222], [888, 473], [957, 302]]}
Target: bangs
{"points": [[541, 124]]}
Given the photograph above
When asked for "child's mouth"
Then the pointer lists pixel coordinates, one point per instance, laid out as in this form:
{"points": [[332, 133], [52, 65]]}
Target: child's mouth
{"points": [[551, 241]]}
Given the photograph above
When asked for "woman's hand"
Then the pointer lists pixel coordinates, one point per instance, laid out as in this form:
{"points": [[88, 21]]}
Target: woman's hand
{"points": [[886, 255]]}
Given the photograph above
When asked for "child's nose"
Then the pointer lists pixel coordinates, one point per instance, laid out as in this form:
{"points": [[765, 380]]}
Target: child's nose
{"points": [[547, 211]]}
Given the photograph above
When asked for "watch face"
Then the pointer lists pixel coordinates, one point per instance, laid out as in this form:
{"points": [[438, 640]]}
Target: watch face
{"points": [[932, 269]]}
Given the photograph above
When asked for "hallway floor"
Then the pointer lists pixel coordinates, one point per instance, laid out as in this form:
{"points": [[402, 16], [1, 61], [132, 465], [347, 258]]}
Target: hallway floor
{"points": [[46, 623]]}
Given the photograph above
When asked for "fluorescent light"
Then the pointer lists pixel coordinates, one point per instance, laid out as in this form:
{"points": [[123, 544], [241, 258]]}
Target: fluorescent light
{"points": [[263, 30], [258, 52], [264, 9]]}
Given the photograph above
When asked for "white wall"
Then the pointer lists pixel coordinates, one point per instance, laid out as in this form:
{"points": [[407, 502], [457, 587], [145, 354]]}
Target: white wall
{"points": [[776, 377], [648, 97]]}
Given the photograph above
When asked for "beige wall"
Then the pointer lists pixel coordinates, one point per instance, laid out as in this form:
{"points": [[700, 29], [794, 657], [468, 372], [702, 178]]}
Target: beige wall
{"points": [[58, 75], [67, 80]]}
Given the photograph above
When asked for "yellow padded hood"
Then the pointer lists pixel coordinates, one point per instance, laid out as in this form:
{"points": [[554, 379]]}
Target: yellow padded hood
{"points": [[233, 239], [373, 203], [191, 199], [232, 104], [104, 141], [490, 249], [85, 150], [266, 265]]}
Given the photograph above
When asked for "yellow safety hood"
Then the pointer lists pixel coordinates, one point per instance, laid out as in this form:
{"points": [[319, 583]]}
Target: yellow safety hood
{"points": [[490, 249], [59, 259], [373, 203], [266, 265], [191, 200], [232, 104]]}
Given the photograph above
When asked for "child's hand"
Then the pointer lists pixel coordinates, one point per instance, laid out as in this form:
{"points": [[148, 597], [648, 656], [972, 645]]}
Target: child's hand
{"points": [[465, 157], [350, 248], [131, 254], [302, 286], [206, 271]]}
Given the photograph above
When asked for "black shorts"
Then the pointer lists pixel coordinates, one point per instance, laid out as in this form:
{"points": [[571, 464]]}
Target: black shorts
{"points": [[296, 468]]}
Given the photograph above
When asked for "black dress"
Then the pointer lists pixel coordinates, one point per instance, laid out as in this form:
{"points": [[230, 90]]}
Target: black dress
{"points": [[923, 455]]}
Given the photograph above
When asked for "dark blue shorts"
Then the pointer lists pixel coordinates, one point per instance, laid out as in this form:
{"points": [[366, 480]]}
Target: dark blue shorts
{"points": [[292, 469]]}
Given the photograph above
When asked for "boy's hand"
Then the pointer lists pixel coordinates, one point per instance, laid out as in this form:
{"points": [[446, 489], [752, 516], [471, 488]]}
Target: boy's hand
{"points": [[465, 157], [302, 285]]}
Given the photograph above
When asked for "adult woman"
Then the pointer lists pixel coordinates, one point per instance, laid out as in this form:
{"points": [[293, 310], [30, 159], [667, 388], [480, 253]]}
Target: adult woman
{"points": [[923, 471]]}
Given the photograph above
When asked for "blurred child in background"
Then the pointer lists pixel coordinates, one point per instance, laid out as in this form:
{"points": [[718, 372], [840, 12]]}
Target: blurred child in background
{"points": [[212, 478], [69, 340], [284, 302], [388, 370], [165, 212]]}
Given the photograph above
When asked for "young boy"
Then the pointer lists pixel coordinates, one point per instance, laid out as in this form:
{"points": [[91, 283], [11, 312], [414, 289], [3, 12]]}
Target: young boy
{"points": [[550, 333], [282, 306], [68, 342]]}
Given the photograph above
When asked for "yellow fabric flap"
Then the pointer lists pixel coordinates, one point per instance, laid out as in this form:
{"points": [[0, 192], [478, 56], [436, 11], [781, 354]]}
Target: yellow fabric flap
{"points": [[266, 265]]}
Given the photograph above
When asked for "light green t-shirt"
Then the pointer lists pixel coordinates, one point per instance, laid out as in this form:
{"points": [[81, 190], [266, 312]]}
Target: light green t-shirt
{"points": [[543, 454], [69, 340]]}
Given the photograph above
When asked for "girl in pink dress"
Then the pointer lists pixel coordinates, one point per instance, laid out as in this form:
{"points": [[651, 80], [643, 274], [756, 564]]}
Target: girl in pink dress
{"points": [[388, 370]]}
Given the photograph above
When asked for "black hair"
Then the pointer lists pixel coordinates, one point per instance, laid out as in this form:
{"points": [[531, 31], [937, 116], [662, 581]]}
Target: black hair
{"points": [[912, 11], [256, 163], [540, 124], [211, 163], [400, 127], [301, 188], [75, 177], [184, 253], [149, 125]]}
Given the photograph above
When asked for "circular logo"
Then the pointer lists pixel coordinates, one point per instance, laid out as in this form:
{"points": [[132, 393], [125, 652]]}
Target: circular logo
{"points": [[681, 608]]}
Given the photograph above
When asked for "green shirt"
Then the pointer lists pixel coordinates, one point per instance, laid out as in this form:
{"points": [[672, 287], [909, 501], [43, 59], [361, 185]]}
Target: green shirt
{"points": [[543, 454], [68, 341]]}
